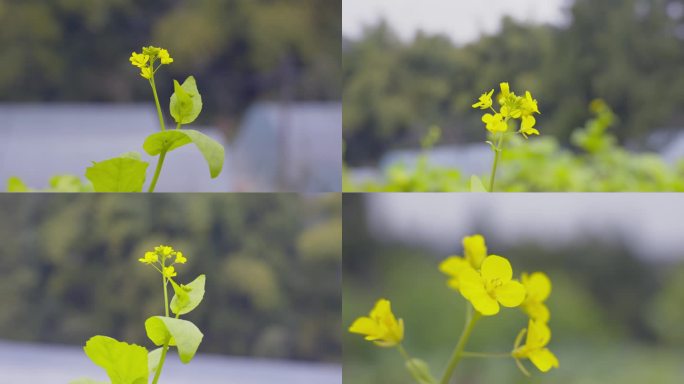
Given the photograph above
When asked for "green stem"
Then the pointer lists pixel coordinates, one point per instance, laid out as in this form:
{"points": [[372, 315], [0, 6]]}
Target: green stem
{"points": [[484, 355], [456, 356], [156, 100], [166, 295], [161, 363], [157, 171], [497, 155]]}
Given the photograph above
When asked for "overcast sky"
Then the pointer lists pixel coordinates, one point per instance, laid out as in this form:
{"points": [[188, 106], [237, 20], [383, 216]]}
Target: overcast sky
{"points": [[462, 20]]}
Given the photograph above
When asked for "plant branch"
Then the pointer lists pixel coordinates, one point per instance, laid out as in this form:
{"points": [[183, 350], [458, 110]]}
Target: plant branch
{"points": [[471, 319], [157, 171], [161, 363]]}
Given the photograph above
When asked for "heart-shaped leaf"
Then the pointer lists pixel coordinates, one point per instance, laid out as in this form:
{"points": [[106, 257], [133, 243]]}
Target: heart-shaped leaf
{"points": [[186, 102], [124, 363], [212, 150], [175, 332], [188, 297], [125, 173]]}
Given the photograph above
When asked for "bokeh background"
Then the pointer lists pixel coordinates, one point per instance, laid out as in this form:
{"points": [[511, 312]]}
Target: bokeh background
{"points": [[407, 68], [268, 71], [69, 271], [615, 260]]}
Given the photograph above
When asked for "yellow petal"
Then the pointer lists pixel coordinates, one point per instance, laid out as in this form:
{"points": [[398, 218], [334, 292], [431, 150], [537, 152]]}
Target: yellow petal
{"points": [[510, 294], [471, 283], [475, 250], [381, 310], [496, 267], [538, 286], [484, 303], [543, 359], [365, 326], [537, 311], [453, 265], [538, 335]]}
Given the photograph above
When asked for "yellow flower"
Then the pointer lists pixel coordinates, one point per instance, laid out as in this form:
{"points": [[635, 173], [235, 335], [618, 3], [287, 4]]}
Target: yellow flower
{"points": [[528, 104], [538, 336], [164, 250], [526, 126], [492, 286], [169, 271], [381, 326], [485, 101], [139, 60], [538, 287], [495, 123], [152, 52], [453, 266], [150, 257], [475, 251], [164, 56], [505, 91], [146, 72], [179, 258]]}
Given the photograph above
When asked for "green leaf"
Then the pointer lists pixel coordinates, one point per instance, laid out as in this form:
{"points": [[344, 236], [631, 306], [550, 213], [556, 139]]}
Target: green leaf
{"points": [[211, 149], [165, 140], [124, 363], [120, 174], [153, 361], [15, 184], [186, 101], [176, 332], [476, 185], [189, 297]]}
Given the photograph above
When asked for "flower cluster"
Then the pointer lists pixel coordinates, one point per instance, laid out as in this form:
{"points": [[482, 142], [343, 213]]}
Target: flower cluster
{"points": [[147, 59], [512, 107], [159, 257], [486, 281]]}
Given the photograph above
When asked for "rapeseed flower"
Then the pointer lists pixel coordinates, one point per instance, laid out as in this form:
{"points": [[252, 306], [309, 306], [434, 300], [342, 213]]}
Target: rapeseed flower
{"points": [[150, 257], [538, 288], [381, 326], [179, 258], [538, 336], [495, 123], [170, 271], [164, 56], [474, 250], [485, 101], [491, 286], [164, 250], [139, 60]]}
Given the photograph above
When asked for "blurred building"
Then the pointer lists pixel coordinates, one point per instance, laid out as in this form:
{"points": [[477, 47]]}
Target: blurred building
{"points": [[43, 140], [289, 147]]}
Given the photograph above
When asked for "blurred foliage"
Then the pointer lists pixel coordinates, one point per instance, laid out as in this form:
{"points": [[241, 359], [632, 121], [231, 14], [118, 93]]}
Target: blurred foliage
{"points": [[629, 52], [540, 164], [69, 269], [240, 50], [615, 317]]}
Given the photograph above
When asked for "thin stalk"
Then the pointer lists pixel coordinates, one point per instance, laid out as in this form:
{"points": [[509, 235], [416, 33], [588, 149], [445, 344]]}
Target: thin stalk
{"points": [[166, 297], [497, 155], [156, 100], [457, 355], [161, 363], [157, 171]]}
